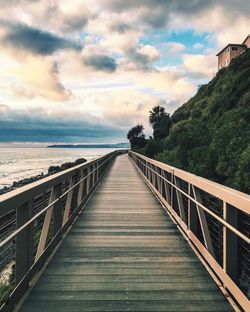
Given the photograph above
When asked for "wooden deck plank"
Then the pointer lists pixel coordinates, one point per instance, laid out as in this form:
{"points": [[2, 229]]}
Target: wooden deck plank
{"points": [[125, 254]]}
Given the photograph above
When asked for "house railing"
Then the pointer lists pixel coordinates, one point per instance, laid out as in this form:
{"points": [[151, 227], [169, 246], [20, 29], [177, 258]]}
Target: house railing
{"points": [[34, 218], [215, 219]]}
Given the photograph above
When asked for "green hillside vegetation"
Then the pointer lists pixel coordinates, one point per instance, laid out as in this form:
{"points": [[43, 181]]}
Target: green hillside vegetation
{"points": [[210, 134]]}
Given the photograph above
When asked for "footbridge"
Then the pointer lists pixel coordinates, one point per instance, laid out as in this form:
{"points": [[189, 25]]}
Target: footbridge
{"points": [[124, 233]]}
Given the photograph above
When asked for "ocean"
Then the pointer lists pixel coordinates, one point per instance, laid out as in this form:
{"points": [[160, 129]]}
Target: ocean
{"points": [[20, 163]]}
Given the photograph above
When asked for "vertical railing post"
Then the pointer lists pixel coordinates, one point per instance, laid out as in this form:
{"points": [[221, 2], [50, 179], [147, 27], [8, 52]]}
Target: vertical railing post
{"points": [[97, 171], [230, 242], [189, 206], [81, 187], [180, 200], [68, 201], [57, 222], [23, 241], [55, 193], [203, 222], [172, 189], [166, 187], [193, 223]]}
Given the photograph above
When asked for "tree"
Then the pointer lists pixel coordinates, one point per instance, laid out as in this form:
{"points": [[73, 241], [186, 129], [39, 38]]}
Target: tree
{"points": [[136, 137], [160, 121]]}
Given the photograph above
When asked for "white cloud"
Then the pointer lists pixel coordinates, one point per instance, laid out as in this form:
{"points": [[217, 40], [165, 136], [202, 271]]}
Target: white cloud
{"points": [[150, 52], [113, 79], [199, 65], [198, 46]]}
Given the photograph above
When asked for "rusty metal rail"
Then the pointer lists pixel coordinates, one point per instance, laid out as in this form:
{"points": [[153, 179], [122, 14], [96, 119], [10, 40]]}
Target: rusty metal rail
{"points": [[43, 211], [214, 218]]}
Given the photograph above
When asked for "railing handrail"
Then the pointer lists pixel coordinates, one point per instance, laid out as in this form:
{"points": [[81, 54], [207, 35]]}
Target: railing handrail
{"points": [[221, 220], [22, 194], [233, 197], [16, 232], [192, 202], [43, 212]]}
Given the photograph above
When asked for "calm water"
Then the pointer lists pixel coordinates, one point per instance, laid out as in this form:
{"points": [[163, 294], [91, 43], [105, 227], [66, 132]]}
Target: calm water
{"points": [[19, 163]]}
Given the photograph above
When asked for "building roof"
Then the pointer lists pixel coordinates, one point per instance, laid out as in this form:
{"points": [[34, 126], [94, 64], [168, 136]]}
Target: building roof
{"points": [[231, 44], [246, 39]]}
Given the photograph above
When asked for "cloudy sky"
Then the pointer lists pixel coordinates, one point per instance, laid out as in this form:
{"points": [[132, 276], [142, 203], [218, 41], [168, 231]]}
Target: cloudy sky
{"points": [[88, 70]]}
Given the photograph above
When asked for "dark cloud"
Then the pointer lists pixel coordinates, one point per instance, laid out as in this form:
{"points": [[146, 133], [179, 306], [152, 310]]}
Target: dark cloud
{"points": [[74, 23], [41, 126], [157, 13], [101, 62], [121, 28], [34, 40], [142, 61]]}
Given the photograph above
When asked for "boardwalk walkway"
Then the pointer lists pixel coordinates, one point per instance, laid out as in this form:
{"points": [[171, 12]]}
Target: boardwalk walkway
{"points": [[125, 254]]}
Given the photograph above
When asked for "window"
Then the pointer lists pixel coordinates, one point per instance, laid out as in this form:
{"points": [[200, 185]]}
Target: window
{"points": [[234, 48]]}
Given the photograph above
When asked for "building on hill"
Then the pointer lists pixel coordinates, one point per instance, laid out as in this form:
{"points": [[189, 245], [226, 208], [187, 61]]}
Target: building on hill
{"points": [[246, 42], [231, 51]]}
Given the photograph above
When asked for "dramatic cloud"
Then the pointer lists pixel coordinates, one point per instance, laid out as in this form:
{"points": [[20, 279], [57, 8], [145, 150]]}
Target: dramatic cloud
{"points": [[74, 69], [35, 77], [46, 126], [143, 56], [101, 62], [21, 36]]}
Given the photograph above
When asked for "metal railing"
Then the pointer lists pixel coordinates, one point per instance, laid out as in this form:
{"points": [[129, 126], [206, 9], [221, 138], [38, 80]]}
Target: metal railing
{"points": [[34, 218], [214, 218]]}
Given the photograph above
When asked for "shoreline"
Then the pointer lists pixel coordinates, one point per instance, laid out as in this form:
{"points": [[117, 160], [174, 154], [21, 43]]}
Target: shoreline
{"points": [[51, 170]]}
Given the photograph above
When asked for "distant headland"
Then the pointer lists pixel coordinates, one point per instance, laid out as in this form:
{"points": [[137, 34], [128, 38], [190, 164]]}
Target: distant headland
{"points": [[116, 145]]}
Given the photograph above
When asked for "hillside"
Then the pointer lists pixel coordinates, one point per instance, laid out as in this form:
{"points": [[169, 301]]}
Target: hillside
{"points": [[210, 134]]}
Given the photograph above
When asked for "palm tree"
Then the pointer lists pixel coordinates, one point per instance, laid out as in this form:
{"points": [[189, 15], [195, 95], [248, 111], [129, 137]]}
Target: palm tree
{"points": [[156, 115], [160, 121]]}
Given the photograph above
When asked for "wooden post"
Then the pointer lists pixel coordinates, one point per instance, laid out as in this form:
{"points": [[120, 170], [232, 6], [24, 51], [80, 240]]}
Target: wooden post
{"points": [[189, 206], [180, 200], [203, 222], [57, 211], [230, 242], [47, 220], [68, 201], [23, 241], [80, 191]]}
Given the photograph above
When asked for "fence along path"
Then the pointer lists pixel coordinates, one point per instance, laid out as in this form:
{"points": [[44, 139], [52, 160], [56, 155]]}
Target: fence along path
{"points": [[125, 254]]}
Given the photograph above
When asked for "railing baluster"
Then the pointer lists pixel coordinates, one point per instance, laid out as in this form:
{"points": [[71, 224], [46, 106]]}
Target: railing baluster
{"points": [[180, 200], [189, 206], [230, 242], [23, 241], [203, 222], [47, 220], [57, 221], [68, 201], [88, 181], [80, 191]]}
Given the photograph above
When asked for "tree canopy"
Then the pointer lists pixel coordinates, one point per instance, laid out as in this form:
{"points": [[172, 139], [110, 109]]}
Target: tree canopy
{"points": [[210, 134], [136, 137], [160, 121]]}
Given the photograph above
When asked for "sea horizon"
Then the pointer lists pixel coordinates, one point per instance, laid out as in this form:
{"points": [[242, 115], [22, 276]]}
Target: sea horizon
{"points": [[18, 163]]}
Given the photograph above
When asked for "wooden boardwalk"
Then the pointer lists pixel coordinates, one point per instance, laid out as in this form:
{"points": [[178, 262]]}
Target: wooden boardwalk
{"points": [[125, 254]]}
